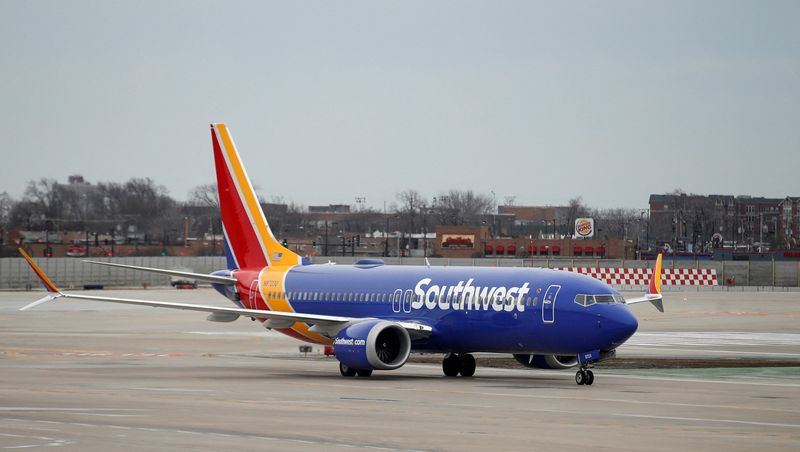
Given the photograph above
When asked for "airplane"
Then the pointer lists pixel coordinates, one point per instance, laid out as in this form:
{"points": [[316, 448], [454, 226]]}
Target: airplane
{"points": [[374, 315]]}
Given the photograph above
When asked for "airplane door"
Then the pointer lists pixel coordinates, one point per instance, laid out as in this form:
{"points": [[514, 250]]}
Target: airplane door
{"points": [[398, 294], [254, 294], [549, 304], [407, 301]]}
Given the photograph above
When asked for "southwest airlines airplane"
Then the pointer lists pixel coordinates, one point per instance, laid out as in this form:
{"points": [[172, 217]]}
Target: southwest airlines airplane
{"points": [[375, 315]]}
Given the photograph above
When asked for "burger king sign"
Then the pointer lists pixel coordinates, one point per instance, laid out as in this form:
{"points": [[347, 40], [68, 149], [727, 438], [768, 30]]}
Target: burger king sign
{"points": [[584, 227]]}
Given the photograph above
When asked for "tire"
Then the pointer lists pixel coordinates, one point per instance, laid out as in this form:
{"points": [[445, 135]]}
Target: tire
{"points": [[580, 377], [451, 365], [467, 365], [364, 372], [346, 371], [589, 377]]}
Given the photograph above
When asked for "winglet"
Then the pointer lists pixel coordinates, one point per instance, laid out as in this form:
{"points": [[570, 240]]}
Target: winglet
{"points": [[655, 278], [655, 285], [653, 294], [53, 290]]}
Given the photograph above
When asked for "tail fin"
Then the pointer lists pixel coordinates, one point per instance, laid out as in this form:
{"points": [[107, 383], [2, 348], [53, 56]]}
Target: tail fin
{"points": [[250, 242]]}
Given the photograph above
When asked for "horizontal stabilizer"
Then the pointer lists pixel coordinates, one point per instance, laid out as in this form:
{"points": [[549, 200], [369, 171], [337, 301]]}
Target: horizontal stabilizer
{"points": [[198, 276], [40, 301]]}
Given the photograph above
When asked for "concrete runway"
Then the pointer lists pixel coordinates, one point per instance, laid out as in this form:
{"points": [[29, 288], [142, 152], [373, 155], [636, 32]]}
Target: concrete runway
{"points": [[92, 376]]}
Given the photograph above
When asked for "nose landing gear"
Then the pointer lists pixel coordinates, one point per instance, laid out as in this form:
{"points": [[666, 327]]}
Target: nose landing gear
{"points": [[584, 377]]}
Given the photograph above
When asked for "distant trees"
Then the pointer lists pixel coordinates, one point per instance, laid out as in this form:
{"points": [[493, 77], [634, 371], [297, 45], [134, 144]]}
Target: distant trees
{"points": [[139, 205], [141, 208], [461, 207]]}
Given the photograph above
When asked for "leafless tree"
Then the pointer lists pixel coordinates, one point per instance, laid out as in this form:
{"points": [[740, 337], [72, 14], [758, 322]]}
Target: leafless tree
{"points": [[575, 209], [6, 204], [460, 207], [205, 195], [408, 209]]}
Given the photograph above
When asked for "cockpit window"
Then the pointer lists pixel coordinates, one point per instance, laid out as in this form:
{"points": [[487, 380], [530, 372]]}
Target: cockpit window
{"points": [[604, 298], [588, 300], [584, 300]]}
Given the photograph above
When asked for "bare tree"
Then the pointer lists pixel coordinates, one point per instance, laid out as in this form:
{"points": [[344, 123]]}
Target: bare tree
{"points": [[6, 205], [205, 195], [575, 209], [459, 207], [409, 209]]}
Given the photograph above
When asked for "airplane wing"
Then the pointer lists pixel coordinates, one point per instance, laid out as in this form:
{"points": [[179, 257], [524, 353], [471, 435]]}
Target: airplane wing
{"points": [[327, 325], [653, 294]]}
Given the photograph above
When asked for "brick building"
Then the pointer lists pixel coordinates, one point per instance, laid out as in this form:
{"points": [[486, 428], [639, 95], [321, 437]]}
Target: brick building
{"points": [[467, 241], [703, 222]]}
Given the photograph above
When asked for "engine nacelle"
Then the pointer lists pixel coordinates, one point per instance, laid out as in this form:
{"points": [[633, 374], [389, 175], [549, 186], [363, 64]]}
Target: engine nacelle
{"points": [[547, 361], [373, 344]]}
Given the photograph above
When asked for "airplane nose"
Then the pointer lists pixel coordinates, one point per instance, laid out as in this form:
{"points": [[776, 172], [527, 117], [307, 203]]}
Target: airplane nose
{"points": [[621, 324]]}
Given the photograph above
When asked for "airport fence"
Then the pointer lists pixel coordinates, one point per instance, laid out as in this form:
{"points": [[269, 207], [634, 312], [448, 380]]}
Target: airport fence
{"points": [[73, 273]]}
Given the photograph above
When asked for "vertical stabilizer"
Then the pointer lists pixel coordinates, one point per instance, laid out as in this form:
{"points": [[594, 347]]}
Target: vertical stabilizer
{"points": [[250, 242]]}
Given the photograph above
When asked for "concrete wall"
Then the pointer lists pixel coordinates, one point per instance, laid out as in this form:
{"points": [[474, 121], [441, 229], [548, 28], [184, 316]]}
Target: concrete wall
{"points": [[73, 273]]}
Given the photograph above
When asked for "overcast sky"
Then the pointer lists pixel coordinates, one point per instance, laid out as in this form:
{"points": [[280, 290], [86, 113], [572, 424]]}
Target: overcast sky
{"points": [[328, 101]]}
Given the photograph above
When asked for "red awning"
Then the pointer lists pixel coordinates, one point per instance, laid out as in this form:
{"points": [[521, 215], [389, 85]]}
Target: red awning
{"points": [[578, 249], [601, 250], [501, 249], [543, 249], [556, 249], [532, 249], [488, 249], [589, 250], [512, 249]]}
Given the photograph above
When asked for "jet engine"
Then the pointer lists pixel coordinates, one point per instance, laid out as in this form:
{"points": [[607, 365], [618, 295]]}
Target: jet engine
{"points": [[547, 361], [372, 344]]}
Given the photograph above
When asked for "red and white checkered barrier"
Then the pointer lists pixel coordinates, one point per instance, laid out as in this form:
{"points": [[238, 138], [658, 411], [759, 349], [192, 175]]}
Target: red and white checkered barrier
{"points": [[641, 276]]}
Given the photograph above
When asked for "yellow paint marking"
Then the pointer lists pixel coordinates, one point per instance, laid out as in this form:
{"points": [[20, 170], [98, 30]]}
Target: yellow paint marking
{"points": [[272, 245], [271, 280]]}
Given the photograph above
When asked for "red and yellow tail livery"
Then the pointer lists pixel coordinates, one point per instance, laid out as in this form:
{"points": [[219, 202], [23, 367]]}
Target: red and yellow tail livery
{"points": [[251, 242]]}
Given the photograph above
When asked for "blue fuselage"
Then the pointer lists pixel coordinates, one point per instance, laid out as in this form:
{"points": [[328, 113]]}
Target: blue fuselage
{"points": [[470, 309]]}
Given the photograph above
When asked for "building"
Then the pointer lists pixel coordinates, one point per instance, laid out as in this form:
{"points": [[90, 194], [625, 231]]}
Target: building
{"points": [[474, 242], [700, 223]]}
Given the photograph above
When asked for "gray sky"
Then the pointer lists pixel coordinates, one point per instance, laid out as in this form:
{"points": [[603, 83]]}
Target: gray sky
{"points": [[332, 100]]}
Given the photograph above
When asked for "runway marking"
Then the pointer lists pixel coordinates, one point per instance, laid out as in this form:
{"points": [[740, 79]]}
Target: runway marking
{"points": [[728, 352], [167, 389], [322, 443], [50, 442], [671, 418], [714, 339], [37, 408]]}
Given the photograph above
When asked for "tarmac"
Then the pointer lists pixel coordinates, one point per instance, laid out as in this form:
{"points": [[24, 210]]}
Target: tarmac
{"points": [[91, 376]]}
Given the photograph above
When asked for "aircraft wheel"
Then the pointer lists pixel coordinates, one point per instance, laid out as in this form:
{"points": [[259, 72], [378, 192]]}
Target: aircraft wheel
{"points": [[467, 365], [589, 377], [364, 372], [346, 371], [451, 365], [580, 377]]}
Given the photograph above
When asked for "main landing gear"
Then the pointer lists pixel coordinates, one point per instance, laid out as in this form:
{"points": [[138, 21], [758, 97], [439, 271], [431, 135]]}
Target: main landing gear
{"points": [[584, 376], [348, 371], [455, 364]]}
